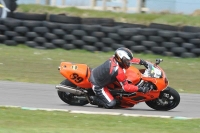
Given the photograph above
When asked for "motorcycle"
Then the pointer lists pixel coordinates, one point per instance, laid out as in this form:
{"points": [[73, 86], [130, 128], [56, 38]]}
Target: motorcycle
{"points": [[76, 88]]}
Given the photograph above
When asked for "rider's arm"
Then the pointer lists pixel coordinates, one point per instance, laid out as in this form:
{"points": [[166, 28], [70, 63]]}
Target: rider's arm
{"points": [[121, 77], [135, 61], [139, 61]]}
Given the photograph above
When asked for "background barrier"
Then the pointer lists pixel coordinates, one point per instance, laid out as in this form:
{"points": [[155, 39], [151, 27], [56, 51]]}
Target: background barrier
{"points": [[98, 34]]}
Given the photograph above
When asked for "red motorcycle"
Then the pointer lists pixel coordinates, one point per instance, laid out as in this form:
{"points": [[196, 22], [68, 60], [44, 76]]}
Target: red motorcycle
{"points": [[76, 88]]}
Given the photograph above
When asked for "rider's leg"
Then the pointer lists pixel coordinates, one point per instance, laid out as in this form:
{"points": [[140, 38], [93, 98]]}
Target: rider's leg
{"points": [[103, 97]]}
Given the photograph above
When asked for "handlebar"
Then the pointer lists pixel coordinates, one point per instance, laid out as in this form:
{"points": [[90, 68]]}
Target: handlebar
{"points": [[158, 61]]}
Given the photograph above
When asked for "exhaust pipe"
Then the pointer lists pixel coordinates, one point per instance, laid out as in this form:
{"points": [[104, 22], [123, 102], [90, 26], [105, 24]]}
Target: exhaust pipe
{"points": [[69, 89]]}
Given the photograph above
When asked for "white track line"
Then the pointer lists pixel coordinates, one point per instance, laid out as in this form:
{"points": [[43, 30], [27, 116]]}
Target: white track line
{"points": [[100, 113]]}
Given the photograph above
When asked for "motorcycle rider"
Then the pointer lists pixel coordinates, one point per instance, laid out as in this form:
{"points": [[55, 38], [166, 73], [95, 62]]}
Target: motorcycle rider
{"points": [[114, 70]]}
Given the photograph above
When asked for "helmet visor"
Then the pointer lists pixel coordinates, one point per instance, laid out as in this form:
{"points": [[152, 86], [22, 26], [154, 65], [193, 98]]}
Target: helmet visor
{"points": [[126, 62]]}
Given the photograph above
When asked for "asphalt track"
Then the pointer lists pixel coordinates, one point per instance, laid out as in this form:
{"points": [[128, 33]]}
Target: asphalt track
{"points": [[44, 96]]}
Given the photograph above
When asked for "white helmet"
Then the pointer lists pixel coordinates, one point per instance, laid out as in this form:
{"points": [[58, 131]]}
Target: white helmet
{"points": [[123, 56]]}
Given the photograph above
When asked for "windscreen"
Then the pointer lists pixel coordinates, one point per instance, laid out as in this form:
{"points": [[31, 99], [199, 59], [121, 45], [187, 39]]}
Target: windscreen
{"points": [[152, 71]]}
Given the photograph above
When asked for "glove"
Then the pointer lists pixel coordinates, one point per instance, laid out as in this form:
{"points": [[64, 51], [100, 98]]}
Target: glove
{"points": [[143, 62], [143, 89]]}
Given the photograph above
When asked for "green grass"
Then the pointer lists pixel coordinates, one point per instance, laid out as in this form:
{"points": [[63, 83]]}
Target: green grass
{"points": [[16, 120], [162, 18], [26, 64]]}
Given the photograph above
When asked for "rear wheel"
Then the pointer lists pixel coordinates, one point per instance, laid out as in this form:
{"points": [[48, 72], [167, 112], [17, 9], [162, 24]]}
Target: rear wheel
{"points": [[69, 98], [168, 99]]}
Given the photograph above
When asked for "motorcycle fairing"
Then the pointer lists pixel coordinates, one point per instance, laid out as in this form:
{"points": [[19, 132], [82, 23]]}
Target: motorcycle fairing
{"points": [[78, 74], [137, 98], [133, 75]]}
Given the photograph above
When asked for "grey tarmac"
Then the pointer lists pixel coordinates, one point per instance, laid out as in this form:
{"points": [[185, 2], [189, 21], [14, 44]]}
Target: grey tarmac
{"points": [[33, 95]]}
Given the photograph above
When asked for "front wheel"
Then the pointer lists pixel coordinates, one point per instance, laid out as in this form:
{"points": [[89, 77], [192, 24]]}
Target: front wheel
{"points": [[168, 99], [69, 98]]}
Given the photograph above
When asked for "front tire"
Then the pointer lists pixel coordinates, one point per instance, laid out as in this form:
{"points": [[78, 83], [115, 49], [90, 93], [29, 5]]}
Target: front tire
{"points": [[168, 99], [69, 98]]}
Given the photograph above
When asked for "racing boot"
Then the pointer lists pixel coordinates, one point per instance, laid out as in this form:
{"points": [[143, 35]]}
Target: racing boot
{"points": [[96, 101]]}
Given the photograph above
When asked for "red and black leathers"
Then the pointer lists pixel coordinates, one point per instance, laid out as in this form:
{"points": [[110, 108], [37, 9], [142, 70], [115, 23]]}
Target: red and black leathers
{"points": [[107, 73]]}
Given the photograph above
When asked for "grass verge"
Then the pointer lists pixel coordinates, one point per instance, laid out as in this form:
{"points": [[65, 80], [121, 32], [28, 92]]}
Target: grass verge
{"points": [[16, 120], [24, 64], [162, 18]]}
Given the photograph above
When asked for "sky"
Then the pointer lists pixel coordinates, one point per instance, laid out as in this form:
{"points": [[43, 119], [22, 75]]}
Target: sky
{"points": [[174, 6]]}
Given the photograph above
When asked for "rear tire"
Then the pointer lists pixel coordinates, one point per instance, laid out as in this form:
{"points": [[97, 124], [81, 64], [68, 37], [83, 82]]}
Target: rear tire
{"points": [[70, 98], [168, 99]]}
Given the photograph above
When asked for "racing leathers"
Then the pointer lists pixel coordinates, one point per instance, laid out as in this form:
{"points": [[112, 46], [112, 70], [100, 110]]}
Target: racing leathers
{"points": [[109, 72]]}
